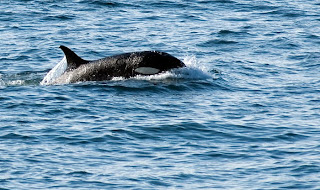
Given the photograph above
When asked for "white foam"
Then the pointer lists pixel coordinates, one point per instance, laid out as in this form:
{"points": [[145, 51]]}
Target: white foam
{"points": [[2, 83], [16, 82], [54, 73]]}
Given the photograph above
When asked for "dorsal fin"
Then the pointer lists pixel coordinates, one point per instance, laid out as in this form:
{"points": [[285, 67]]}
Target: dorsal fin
{"points": [[73, 60]]}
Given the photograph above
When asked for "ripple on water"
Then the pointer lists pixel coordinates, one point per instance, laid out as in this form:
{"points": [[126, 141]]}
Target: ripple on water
{"points": [[213, 43]]}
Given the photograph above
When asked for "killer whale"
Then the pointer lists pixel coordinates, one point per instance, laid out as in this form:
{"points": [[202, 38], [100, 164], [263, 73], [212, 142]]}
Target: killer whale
{"points": [[123, 65]]}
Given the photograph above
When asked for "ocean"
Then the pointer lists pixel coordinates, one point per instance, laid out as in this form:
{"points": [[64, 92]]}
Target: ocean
{"points": [[243, 114]]}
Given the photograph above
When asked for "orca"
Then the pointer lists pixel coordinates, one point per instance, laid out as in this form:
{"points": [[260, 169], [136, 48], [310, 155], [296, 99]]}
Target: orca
{"points": [[123, 65]]}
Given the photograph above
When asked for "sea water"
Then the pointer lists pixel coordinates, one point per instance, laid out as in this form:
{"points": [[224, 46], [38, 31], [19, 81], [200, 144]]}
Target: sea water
{"points": [[243, 114]]}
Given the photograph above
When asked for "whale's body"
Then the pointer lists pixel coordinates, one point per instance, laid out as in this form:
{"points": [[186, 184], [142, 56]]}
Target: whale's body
{"points": [[124, 65]]}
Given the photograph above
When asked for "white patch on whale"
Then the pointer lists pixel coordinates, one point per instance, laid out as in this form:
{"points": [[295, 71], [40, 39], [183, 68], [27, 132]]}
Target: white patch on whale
{"points": [[147, 70]]}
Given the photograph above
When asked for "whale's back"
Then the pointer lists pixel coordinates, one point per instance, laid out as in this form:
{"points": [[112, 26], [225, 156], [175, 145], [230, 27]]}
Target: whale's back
{"points": [[123, 65]]}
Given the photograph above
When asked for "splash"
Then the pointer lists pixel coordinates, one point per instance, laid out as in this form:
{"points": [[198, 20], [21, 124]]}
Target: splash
{"points": [[54, 73], [20, 79], [2, 83]]}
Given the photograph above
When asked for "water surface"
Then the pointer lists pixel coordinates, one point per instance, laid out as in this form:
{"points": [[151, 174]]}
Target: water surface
{"points": [[244, 114]]}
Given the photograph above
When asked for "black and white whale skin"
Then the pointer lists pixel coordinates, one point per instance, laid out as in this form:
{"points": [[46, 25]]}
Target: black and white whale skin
{"points": [[124, 65]]}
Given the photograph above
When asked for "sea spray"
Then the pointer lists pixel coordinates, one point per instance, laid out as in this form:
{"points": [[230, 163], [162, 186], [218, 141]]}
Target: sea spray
{"points": [[54, 73]]}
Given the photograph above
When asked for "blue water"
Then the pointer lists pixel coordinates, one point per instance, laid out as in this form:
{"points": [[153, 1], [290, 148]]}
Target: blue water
{"points": [[244, 114]]}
